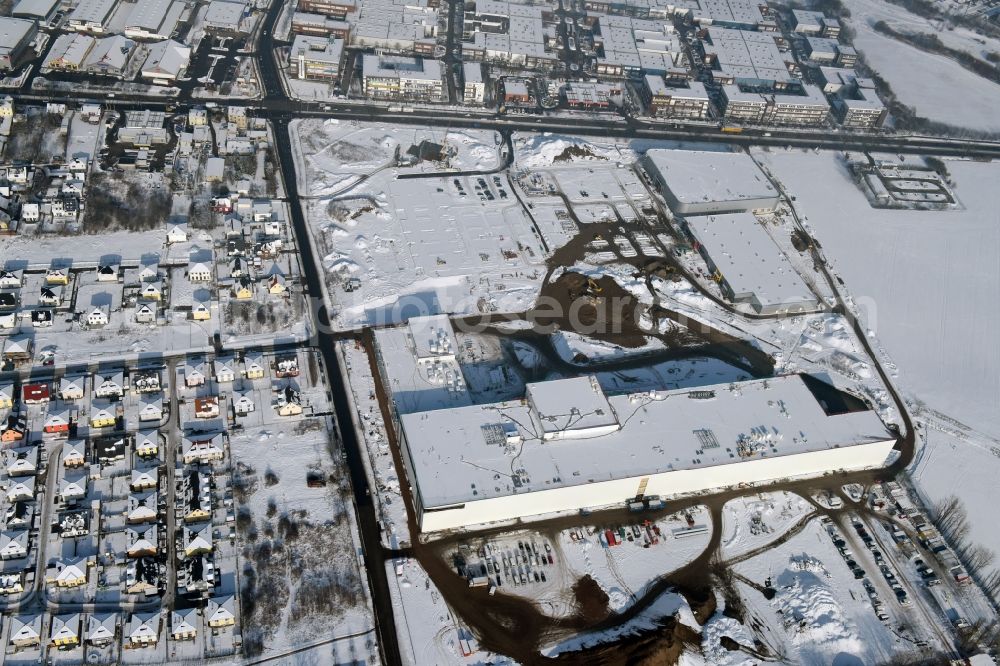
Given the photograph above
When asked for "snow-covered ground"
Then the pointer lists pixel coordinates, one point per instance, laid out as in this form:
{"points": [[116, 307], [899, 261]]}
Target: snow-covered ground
{"points": [[428, 631], [936, 86], [925, 281], [331, 154], [820, 613], [753, 521]]}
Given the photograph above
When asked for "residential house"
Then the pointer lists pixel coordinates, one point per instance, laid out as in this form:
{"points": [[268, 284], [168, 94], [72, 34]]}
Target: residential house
{"points": [[286, 366], [71, 388], [69, 573], [183, 624], [200, 311], [199, 271], [243, 403], [142, 576], [221, 612], [109, 384], [17, 348], [74, 453], [288, 403], [145, 313], [35, 393], [13, 544], [111, 449], [253, 365], [21, 490], [225, 369], [197, 497], [11, 279], [242, 289], [142, 508], [142, 630], [144, 479], [21, 461], [7, 396], [57, 276], [143, 541], [151, 408], [151, 291], [57, 422], [8, 300], [195, 374], [72, 484], [146, 381], [196, 575], [177, 232], [74, 524], [102, 415], [8, 320], [147, 443], [206, 408], [12, 583], [276, 285], [107, 272], [98, 316], [102, 628], [19, 515], [150, 271], [50, 296], [26, 630], [65, 631], [202, 448], [197, 540], [41, 318]]}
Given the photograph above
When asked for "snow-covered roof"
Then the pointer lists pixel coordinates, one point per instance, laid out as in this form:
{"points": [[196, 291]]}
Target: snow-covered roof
{"points": [[702, 176], [468, 453], [749, 261], [101, 626]]}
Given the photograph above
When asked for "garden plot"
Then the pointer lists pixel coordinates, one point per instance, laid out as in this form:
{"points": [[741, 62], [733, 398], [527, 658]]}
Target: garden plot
{"points": [[331, 154], [417, 248], [754, 521]]}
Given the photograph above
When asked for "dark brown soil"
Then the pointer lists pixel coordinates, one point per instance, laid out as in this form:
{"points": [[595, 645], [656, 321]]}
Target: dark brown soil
{"points": [[591, 600], [663, 645]]}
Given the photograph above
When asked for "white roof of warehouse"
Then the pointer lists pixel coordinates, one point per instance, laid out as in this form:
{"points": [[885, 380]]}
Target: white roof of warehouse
{"points": [[12, 31], [223, 12], [35, 8], [703, 176], [749, 259], [458, 457], [93, 11]]}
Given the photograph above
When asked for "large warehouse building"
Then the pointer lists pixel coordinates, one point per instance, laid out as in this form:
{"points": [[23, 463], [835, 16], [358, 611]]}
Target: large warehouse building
{"points": [[568, 446], [748, 265], [699, 182]]}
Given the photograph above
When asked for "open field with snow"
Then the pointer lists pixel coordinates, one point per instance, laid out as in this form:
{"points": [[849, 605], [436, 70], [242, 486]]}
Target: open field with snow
{"points": [[937, 87], [926, 281]]}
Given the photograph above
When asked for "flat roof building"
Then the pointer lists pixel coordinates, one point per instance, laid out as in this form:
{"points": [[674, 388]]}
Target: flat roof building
{"points": [[635, 45], [568, 447], [153, 19], [473, 84], [663, 101], [226, 16], [92, 15], [698, 182], [508, 33], [319, 25], [810, 107], [316, 57], [166, 62], [748, 58], [38, 10], [749, 267], [15, 37], [400, 77]]}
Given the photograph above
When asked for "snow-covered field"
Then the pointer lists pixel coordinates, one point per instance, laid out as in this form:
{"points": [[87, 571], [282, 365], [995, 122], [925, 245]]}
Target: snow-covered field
{"points": [[926, 281], [336, 153], [937, 87], [418, 247]]}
